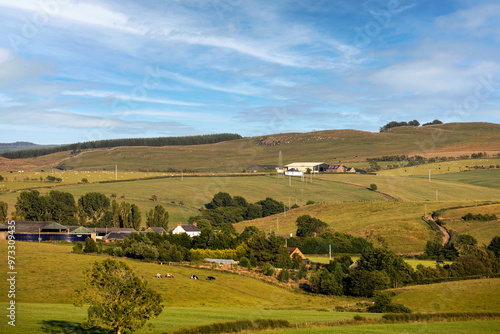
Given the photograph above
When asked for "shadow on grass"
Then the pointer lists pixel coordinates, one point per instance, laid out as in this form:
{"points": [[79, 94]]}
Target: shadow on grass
{"points": [[67, 327]]}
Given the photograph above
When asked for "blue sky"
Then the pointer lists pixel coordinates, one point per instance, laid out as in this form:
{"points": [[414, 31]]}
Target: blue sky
{"points": [[75, 71]]}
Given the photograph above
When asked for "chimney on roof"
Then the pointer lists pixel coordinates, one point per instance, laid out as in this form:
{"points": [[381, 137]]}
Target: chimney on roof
{"points": [[179, 224], [195, 224]]}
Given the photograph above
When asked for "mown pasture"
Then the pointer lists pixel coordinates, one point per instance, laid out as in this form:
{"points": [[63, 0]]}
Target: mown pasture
{"points": [[420, 189], [461, 327], [66, 318], [438, 168]]}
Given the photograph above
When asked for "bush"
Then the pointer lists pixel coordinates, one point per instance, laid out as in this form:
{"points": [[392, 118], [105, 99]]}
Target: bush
{"points": [[284, 276], [90, 246], [244, 262], [373, 187], [78, 247], [268, 269], [383, 304]]}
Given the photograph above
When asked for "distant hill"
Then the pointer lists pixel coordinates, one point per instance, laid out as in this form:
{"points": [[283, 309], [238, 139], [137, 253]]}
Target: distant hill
{"points": [[332, 146], [110, 143], [20, 145]]}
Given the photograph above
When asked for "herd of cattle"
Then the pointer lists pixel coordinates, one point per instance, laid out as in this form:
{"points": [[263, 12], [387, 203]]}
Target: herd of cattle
{"points": [[209, 278]]}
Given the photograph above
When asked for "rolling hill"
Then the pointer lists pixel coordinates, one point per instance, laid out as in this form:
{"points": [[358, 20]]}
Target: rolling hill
{"points": [[331, 146]]}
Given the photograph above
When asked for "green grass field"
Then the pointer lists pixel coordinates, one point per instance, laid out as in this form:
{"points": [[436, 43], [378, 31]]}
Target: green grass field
{"points": [[194, 192], [439, 169], [487, 327], [420, 189], [65, 318], [462, 296]]}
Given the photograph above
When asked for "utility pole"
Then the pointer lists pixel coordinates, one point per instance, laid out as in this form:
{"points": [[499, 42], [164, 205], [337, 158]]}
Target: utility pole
{"points": [[330, 251], [116, 172], [289, 180]]}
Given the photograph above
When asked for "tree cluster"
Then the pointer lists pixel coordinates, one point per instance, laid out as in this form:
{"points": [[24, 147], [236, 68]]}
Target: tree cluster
{"points": [[93, 209], [479, 217], [109, 143], [395, 124], [225, 210]]}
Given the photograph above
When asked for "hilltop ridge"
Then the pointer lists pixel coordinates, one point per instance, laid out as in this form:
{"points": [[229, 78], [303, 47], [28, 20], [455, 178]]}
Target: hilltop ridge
{"points": [[333, 146]]}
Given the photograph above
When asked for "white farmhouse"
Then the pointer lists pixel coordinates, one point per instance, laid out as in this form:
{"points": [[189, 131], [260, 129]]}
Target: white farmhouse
{"points": [[191, 230]]}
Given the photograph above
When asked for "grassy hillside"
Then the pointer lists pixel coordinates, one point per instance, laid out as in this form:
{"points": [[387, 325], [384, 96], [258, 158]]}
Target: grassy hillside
{"points": [[329, 146], [462, 296], [482, 231], [399, 224], [52, 270]]}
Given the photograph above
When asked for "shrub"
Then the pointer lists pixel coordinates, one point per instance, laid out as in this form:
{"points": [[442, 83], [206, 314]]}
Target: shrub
{"points": [[78, 247], [90, 246], [373, 187], [284, 276]]}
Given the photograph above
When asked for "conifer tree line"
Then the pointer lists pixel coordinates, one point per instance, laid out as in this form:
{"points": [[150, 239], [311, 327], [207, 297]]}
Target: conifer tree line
{"points": [[109, 143]]}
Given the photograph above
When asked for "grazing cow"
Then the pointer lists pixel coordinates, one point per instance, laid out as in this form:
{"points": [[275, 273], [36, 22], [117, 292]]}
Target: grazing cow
{"points": [[211, 278], [158, 275], [169, 275], [194, 277]]}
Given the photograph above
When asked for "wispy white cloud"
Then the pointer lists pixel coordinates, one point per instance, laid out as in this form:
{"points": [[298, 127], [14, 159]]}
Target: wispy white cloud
{"points": [[129, 97]]}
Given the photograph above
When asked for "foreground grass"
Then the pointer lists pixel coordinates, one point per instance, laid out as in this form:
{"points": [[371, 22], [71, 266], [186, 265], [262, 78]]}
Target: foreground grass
{"points": [[55, 318], [462, 296], [461, 327]]}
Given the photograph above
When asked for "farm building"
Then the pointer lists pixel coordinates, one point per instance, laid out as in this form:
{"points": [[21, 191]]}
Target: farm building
{"points": [[256, 168], [191, 230], [293, 172], [295, 250], [343, 169], [43, 231], [313, 167], [159, 230]]}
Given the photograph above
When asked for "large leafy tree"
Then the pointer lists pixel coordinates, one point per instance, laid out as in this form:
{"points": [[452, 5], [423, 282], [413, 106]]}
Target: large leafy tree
{"points": [[62, 207], [118, 299], [393, 265], [308, 226], [93, 206], [32, 207], [157, 217]]}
